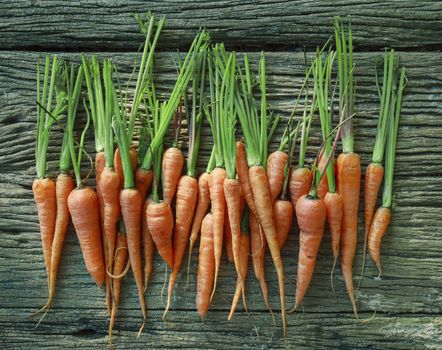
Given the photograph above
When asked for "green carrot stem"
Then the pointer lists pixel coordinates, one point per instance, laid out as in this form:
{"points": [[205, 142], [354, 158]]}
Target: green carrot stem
{"points": [[211, 163]]}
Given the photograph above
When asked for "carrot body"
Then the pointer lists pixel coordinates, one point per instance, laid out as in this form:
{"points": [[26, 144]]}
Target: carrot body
{"points": [[133, 154], [275, 172], [83, 206], [160, 223], [173, 162], [299, 184], [131, 205], [348, 185], [186, 197], [243, 265], [148, 244], [283, 214], [261, 194], [323, 184], [377, 231], [310, 214], [243, 176], [46, 202], [206, 267], [258, 247], [216, 181], [118, 268], [333, 205], [228, 238], [143, 181], [64, 186], [373, 180], [201, 209], [100, 163]]}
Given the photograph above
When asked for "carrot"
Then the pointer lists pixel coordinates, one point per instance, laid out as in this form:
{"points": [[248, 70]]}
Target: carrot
{"points": [[243, 176], [206, 267], [323, 184], [333, 205], [119, 265], [244, 264], [299, 185], [258, 247], [148, 244], [375, 171], [228, 238], [283, 215], [173, 162], [143, 181], [275, 172], [382, 216], [310, 213], [100, 163]]}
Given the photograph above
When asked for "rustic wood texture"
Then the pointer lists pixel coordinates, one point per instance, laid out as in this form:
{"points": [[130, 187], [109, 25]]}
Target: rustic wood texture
{"points": [[407, 298], [108, 25]]}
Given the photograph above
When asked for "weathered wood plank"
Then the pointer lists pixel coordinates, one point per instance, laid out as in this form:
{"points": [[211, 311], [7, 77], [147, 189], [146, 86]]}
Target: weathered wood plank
{"points": [[102, 24], [408, 298]]}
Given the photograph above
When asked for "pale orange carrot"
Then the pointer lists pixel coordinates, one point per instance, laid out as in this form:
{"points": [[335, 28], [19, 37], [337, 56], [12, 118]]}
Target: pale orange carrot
{"points": [[228, 238], [206, 267], [283, 214], [243, 176], [333, 205], [148, 244], [173, 162], [299, 184], [378, 229], [275, 172]]}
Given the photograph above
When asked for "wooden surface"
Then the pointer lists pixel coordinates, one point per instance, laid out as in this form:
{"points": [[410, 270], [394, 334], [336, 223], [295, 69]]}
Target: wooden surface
{"points": [[407, 298]]}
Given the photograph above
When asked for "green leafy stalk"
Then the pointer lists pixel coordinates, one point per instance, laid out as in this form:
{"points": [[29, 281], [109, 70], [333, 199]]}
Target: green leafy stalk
{"points": [[346, 83], [47, 114], [211, 163], [384, 112], [391, 144]]}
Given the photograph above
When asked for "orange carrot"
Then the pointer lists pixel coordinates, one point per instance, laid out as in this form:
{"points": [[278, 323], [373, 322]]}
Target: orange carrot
{"points": [[45, 199], [216, 180], [100, 163], [243, 176], [160, 223], [299, 184], [173, 162], [186, 197], [119, 265], [373, 180], [200, 211], [283, 215], [143, 181], [258, 248], [349, 175], [378, 229], [323, 184], [310, 213], [131, 204], [83, 206], [64, 186], [333, 205], [228, 238], [275, 172], [148, 244], [206, 267]]}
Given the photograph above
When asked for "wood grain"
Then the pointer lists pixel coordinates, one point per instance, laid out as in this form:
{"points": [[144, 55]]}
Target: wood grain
{"points": [[408, 297], [269, 24]]}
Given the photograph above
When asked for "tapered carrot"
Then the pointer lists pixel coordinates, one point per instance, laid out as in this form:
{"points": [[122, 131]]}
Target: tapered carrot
{"points": [[148, 244], [299, 185], [333, 205], [160, 224], [310, 213], [275, 172], [206, 267], [283, 215], [323, 184], [119, 264], [243, 176], [378, 229], [143, 181], [228, 238], [173, 162], [100, 163]]}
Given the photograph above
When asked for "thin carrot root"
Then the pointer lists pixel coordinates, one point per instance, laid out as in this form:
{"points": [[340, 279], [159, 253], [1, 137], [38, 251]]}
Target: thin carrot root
{"points": [[332, 273]]}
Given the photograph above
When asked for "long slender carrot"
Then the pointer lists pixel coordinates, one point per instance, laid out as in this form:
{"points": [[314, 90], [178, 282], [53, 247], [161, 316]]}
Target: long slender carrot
{"points": [[206, 267], [173, 162], [119, 264], [243, 176], [228, 238], [148, 244]]}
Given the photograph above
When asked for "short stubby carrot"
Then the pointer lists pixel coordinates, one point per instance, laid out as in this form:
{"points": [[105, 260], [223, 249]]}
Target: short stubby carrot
{"points": [[119, 265], [131, 205], [143, 181], [118, 167], [310, 213], [46, 202], [283, 214], [160, 223], [83, 206], [206, 267], [173, 162], [243, 176], [261, 195], [64, 186], [333, 205], [186, 197], [378, 228], [275, 172], [202, 206], [228, 238], [148, 244], [373, 180], [258, 247], [216, 181], [349, 182], [299, 184]]}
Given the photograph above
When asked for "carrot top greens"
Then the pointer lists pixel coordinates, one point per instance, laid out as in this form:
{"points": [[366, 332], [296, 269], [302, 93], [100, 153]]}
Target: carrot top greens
{"points": [[48, 112], [344, 53]]}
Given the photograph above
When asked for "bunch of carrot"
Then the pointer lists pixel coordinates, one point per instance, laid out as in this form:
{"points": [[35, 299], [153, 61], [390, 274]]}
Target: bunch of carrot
{"points": [[246, 199]]}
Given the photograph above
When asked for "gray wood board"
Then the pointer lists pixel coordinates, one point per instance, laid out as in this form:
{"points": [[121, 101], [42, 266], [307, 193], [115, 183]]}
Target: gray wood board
{"points": [[408, 297], [108, 25]]}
